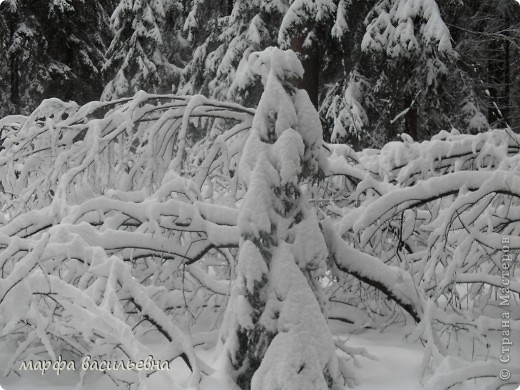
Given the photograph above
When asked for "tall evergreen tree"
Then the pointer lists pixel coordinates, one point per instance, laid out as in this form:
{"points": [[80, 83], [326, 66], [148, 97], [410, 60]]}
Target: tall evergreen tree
{"points": [[53, 49], [489, 44], [312, 29], [275, 333], [140, 56], [408, 55], [224, 36], [373, 68]]}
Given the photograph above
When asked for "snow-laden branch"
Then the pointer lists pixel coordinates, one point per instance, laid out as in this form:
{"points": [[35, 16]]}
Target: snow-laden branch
{"points": [[395, 202], [394, 282], [130, 213], [104, 221]]}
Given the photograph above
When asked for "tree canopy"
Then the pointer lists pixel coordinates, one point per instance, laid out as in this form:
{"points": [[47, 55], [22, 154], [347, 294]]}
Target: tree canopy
{"points": [[373, 69]]}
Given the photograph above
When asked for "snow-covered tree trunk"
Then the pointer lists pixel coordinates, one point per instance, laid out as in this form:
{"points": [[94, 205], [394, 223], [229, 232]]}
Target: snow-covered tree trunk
{"points": [[275, 332]]}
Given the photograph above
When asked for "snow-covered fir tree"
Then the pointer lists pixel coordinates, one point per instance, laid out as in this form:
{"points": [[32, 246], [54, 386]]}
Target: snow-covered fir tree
{"points": [[202, 47], [273, 333], [140, 56], [51, 49], [231, 35], [489, 40], [408, 50], [311, 29]]}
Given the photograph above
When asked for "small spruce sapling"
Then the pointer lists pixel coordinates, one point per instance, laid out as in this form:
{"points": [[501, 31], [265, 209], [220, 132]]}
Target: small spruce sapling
{"points": [[275, 334]]}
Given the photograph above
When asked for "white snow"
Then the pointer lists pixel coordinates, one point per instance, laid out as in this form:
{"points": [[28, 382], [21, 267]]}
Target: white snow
{"points": [[119, 235], [392, 28]]}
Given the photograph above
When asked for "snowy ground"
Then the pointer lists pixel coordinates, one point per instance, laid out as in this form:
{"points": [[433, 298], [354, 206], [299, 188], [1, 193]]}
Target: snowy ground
{"points": [[397, 367]]}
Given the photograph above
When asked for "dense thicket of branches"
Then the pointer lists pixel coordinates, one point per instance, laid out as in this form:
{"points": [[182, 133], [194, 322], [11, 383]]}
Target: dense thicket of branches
{"points": [[373, 68], [123, 218]]}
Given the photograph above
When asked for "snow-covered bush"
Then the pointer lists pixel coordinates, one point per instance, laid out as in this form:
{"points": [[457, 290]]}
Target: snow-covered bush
{"points": [[189, 218], [102, 238], [275, 333], [445, 213]]}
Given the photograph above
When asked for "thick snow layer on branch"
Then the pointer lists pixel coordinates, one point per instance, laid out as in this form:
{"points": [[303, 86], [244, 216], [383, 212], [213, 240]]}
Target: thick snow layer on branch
{"points": [[309, 248], [433, 188], [287, 152], [309, 127], [396, 283], [303, 348], [257, 210], [275, 112], [402, 27], [284, 65], [340, 25], [251, 266], [300, 15], [279, 112]]}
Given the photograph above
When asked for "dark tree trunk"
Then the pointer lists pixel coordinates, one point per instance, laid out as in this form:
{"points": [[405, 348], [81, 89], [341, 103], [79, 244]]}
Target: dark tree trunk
{"points": [[411, 124], [229, 6], [13, 67], [311, 64], [493, 79], [507, 72], [15, 83]]}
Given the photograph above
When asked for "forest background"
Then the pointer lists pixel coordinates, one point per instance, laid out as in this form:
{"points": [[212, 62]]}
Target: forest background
{"points": [[449, 64]]}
